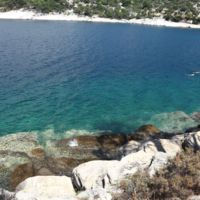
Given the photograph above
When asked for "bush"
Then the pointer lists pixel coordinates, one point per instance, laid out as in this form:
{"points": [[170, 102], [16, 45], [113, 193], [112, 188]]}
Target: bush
{"points": [[180, 179]]}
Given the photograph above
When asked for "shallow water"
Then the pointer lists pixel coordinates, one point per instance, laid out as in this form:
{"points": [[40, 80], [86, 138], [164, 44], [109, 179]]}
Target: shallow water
{"points": [[94, 76]]}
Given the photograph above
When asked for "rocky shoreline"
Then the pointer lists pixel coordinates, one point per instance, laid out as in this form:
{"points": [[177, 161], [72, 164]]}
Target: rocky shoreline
{"points": [[23, 14], [84, 167]]}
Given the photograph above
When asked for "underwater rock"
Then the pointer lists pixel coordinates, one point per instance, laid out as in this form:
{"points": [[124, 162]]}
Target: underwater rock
{"points": [[174, 122], [87, 147], [15, 150], [21, 173], [66, 154], [38, 153], [19, 142], [196, 116]]}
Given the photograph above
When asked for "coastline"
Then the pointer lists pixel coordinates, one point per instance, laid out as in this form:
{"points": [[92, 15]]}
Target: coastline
{"points": [[32, 15]]}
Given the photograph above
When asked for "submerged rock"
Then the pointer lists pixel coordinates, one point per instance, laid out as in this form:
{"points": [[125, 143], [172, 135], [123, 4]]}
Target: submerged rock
{"points": [[66, 154], [174, 122], [20, 173], [8, 162], [15, 153], [196, 116], [87, 147]]}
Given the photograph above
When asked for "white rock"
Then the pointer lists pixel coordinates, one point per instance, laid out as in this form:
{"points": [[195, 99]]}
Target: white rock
{"points": [[170, 147], [152, 156], [159, 161], [94, 174], [46, 188]]}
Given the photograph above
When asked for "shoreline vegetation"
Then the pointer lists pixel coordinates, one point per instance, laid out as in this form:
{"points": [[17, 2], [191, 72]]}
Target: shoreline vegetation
{"points": [[174, 13], [23, 14]]}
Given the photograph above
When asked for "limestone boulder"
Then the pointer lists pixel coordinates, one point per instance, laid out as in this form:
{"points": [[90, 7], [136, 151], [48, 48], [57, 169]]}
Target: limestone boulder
{"points": [[105, 173], [95, 174], [150, 155], [170, 147], [46, 188]]}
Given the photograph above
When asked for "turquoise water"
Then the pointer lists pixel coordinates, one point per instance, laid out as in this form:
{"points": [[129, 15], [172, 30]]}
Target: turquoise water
{"points": [[94, 76]]}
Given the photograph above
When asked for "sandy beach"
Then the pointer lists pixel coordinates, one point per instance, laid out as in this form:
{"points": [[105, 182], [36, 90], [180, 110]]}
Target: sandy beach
{"points": [[32, 15]]}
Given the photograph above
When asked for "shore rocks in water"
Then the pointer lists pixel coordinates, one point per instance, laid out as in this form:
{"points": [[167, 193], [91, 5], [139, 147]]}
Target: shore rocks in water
{"points": [[65, 154], [146, 132], [46, 188], [115, 157], [28, 158], [15, 150], [20, 173], [88, 147]]}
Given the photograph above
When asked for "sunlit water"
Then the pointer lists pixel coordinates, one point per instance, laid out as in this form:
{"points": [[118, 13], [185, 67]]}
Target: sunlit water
{"points": [[94, 76]]}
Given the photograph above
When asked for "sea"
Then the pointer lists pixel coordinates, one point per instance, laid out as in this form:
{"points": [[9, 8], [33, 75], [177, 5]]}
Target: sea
{"points": [[85, 77]]}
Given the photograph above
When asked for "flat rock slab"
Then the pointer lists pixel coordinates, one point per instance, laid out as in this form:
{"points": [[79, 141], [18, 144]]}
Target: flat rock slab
{"points": [[45, 187]]}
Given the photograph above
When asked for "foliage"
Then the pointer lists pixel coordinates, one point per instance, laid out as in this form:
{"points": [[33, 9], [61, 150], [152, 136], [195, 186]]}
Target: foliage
{"points": [[180, 179]]}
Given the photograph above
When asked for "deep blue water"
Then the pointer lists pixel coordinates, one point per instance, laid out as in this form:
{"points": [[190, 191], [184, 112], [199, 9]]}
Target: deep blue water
{"points": [[76, 75]]}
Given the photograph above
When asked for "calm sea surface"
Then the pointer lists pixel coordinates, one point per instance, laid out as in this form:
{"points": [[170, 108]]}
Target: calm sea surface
{"points": [[94, 76]]}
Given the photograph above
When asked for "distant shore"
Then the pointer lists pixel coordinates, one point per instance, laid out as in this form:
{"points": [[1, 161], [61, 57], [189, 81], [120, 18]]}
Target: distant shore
{"points": [[32, 15]]}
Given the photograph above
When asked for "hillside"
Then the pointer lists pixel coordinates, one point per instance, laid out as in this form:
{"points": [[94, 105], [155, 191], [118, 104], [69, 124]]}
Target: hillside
{"points": [[171, 10]]}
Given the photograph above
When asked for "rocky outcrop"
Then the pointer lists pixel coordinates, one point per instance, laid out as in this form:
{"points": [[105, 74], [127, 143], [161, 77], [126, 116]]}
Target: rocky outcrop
{"points": [[150, 156], [46, 188], [96, 164]]}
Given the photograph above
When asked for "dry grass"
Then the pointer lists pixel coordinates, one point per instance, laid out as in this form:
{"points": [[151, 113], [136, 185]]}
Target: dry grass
{"points": [[180, 179]]}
